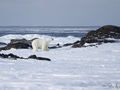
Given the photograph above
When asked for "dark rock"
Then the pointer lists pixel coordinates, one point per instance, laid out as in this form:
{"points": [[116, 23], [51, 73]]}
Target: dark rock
{"points": [[18, 45], [68, 44], [32, 57], [2, 49], [76, 42], [42, 58], [15, 57], [22, 41], [76, 46], [3, 56], [108, 31], [1, 43], [110, 41], [38, 58], [99, 36], [9, 56], [19, 40], [56, 46], [82, 43]]}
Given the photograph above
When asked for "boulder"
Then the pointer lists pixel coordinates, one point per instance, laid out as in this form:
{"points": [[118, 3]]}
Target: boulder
{"points": [[32, 57], [22, 41], [100, 35], [108, 31], [1, 43], [18, 45]]}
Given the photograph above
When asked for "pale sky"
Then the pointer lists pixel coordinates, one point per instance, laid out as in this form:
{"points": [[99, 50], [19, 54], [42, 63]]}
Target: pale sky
{"points": [[59, 12]]}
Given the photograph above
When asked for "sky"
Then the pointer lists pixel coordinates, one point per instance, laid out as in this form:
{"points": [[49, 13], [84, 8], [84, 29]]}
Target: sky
{"points": [[59, 12]]}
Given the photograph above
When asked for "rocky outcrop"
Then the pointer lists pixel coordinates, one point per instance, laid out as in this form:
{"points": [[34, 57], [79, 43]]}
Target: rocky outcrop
{"points": [[1, 43], [108, 31], [100, 35], [22, 41], [15, 57], [18, 45]]}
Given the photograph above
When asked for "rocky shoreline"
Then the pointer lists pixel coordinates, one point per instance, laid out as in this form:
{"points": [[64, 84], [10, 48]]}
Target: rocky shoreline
{"points": [[99, 36]]}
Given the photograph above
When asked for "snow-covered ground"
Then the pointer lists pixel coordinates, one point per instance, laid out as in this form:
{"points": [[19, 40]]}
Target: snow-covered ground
{"points": [[90, 68]]}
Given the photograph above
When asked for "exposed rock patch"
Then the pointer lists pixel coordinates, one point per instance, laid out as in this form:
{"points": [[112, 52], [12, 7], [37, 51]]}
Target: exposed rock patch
{"points": [[56, 46], [15, 57], [18, 45], [38, 58], [22, 41], [1, 43], [100, 35]]}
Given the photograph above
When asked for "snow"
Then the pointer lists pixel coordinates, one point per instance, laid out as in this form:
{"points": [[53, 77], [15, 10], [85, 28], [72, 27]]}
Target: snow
{"points": [[61, 40], [87, 68]]}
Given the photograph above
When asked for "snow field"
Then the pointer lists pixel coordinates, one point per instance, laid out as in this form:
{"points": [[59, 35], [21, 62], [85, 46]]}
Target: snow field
{"points": [[90, 68]]}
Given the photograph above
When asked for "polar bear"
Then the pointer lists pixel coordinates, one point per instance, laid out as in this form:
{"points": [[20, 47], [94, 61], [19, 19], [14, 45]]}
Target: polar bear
{"points": [[43, 43]]}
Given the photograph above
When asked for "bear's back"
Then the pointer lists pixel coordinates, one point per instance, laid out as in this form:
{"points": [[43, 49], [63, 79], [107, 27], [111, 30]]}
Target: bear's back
{"points": [[38, 42]]}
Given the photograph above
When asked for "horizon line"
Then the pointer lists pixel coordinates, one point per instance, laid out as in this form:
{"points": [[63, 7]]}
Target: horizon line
{"points": [[47, 26]]}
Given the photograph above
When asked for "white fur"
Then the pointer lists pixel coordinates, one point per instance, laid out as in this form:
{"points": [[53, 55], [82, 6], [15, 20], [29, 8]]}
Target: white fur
{"points": [[43, 43]]}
